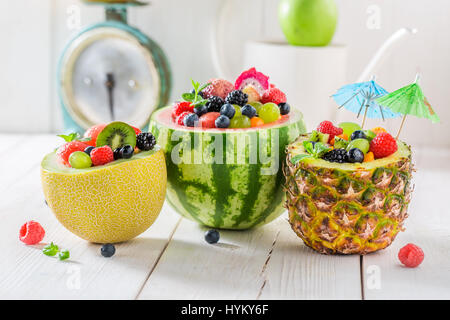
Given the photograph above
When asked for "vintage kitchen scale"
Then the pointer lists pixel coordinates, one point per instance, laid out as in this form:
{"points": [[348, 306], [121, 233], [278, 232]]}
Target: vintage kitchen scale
{"points": [[112, 71]]}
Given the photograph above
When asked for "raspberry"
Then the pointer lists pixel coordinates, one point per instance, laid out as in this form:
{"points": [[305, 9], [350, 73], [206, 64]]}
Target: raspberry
{"points": [[218, 87], [180, 107], [329, 128], [31, 233], [180, 118], [63, 153], [274, 95], [411, 255], [136, 130], [383, 145], [102, 155], [92, 133], [208, 120]]}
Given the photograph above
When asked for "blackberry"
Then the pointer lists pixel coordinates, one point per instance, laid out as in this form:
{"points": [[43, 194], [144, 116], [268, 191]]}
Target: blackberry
{"points": [[214, 104], [336, 155], [145, 141], [237, 97]]}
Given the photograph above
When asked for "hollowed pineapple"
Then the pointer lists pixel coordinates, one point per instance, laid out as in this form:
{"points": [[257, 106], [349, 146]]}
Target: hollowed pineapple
{"points": [[348, 208]]}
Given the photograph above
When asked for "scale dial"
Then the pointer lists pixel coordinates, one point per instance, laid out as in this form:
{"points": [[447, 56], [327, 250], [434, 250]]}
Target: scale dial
{"points": [[107, 75]]}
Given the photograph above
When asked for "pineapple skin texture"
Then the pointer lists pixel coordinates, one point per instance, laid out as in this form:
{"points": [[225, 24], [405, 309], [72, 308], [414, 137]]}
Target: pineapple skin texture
{"points": [[348, 212]]}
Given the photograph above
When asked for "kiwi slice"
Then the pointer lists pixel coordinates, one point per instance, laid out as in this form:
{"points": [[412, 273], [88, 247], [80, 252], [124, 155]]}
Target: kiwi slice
{"points": [[116, 135]]}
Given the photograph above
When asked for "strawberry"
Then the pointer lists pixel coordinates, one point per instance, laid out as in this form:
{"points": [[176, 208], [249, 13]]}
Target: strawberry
{"points": [[63, 153], [274, 95], [208, 120], [383, 145], [31, 233], [92, 133], [180, 119], [411, 255], [180, 107], [102, 155], [329, 128]]}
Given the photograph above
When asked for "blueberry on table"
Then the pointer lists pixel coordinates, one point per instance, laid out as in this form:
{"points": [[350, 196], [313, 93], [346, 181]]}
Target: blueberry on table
{"points": [[212, 236], [108, 250]]}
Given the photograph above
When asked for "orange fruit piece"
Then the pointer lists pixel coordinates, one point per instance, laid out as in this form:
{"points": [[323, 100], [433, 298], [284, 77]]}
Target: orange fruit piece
{"points": [[369, 156], [343, 136], [256, 122], [378, 130]]}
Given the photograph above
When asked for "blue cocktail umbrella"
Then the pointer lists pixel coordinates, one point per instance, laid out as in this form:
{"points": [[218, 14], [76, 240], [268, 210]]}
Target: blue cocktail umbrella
{"points": [[360, 96]]}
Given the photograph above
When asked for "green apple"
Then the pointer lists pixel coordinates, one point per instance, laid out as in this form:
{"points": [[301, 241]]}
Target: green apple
{"points": [[308, 22]]}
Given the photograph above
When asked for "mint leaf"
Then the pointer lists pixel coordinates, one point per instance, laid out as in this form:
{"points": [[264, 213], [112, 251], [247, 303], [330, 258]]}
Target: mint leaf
{"points": [[188, 96], [63, 255], [309, 147], [296, 159], [320, 149], [50, 250], [70, 137]]}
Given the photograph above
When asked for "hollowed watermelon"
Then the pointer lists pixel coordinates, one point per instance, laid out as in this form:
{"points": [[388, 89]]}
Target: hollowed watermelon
{"points": [[226, 178]]}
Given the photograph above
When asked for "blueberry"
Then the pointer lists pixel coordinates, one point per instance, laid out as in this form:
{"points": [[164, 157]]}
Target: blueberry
{"points": [[212, 236], [355, 155], [248, 111], [126, 152], [228, 110], [200, 93], [117, 154], [284, 108], [222, 122], [89, 149], [108, 250], [191, 120], [200, 110], [358, 134]]}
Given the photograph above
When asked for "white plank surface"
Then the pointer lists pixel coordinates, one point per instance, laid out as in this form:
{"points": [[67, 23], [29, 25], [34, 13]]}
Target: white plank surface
{"points": [[428, 226], [172, 260]]}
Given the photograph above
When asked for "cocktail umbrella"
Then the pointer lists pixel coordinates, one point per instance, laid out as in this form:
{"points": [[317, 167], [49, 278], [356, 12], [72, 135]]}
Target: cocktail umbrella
{"points": [[409, 100], [358, 96]]}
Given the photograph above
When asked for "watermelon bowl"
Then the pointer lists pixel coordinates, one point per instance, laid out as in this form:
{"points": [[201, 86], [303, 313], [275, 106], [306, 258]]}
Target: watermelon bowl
{"points": [[226, 178]]}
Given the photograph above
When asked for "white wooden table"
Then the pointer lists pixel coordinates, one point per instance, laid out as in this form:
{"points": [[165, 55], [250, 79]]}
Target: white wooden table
{"points": [[171, 260]]}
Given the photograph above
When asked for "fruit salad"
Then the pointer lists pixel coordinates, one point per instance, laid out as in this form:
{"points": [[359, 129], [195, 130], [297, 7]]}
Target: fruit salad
{"points": [[103, 144], [225, 144], [108, 186], [348, 143], [348, 189], [250, 102]]}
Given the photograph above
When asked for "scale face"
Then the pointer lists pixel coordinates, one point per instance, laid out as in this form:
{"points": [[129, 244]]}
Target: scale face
{"points": [[111, 72]]}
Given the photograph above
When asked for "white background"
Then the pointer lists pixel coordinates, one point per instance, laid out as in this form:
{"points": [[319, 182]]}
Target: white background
{"points": [[33, 33]]}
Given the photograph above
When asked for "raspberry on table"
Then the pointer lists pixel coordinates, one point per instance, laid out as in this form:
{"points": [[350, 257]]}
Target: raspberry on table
{"points": [[31, 233], [411, 255], [102, 155], [180, 107], [383, 145], [274, 95]]}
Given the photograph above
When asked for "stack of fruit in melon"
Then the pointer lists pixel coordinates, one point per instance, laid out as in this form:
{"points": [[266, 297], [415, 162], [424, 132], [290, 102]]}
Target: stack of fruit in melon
{"points": [[348, 189], [225, 145], [107, 187]]}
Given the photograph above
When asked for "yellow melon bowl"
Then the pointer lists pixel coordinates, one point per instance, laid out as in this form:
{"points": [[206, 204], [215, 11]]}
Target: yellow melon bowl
{"points": [[107, 204]]}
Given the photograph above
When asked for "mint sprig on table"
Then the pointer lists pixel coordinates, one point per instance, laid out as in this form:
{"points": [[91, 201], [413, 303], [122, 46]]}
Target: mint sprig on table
{"points": [[195, 97], [52, 250], [316, 150]]}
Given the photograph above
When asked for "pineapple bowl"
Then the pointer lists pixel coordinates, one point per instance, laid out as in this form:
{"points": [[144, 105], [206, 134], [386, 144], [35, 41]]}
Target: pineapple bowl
{"points": [[347, 208]]}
